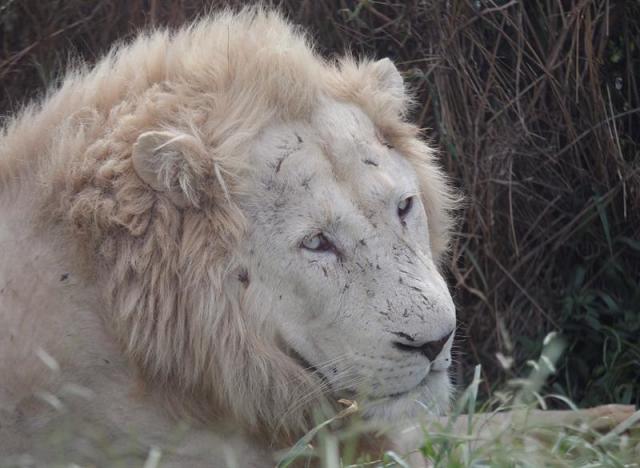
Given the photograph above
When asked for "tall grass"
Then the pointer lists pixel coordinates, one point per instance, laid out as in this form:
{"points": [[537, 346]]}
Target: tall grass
{"points": [[475, 434], [486, 439]]}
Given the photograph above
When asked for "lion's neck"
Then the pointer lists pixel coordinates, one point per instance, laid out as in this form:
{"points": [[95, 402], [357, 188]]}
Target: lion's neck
{"points": [[54, 341], [51, 334]]}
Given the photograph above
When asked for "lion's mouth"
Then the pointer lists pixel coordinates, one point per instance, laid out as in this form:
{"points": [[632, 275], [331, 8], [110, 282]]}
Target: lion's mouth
{"points": [[404, 393], [310, 368], [350, 393], [417, 388]]}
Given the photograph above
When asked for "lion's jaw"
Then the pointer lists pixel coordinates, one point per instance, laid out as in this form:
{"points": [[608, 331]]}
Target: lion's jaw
{"points": [[345, 309]]}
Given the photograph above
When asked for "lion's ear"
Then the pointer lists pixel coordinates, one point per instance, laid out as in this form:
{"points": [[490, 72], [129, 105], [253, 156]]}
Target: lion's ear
{"points": [[389, 78], [170, 162]]}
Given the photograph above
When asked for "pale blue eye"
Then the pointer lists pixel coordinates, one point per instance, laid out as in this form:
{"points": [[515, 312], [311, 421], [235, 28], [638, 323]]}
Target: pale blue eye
{"points": [[404, 207], [318, 243], [312, 243]]}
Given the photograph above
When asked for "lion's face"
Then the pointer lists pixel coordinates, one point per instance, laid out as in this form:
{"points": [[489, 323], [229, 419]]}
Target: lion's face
{"points": [[338, 258]]}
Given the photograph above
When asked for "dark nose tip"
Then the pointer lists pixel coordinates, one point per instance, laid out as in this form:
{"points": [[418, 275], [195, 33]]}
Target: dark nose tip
{"points": [[430, 349]]}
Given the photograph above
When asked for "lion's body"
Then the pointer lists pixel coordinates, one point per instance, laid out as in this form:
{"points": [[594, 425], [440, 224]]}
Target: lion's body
{"points": [[47, 310], [127, 302]]}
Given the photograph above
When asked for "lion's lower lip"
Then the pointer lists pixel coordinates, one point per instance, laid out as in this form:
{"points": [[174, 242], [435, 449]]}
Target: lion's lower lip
{"points": [[354, 394], [351, 393], [422, 383]]}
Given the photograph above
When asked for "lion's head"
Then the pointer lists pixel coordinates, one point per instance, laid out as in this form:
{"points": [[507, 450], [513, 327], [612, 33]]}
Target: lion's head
{"points": [[265, 226], [337, 253]]}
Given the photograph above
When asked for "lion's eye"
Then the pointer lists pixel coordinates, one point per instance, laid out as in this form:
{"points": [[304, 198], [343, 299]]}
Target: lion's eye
{"points": [[317, 243], [404, 207]]}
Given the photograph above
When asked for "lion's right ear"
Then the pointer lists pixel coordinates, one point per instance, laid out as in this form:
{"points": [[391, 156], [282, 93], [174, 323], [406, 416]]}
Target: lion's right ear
{"points": [[171, 162], [389, 78]]}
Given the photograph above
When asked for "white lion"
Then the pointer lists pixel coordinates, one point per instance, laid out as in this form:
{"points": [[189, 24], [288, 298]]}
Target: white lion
{"points": [[216, 225]]}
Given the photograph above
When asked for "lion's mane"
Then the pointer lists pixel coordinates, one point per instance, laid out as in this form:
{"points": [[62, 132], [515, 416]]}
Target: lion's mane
{"points": [[166, 271]]}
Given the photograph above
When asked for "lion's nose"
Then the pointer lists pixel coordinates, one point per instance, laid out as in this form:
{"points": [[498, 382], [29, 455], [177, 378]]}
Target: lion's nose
{"points": [[431, 349]]}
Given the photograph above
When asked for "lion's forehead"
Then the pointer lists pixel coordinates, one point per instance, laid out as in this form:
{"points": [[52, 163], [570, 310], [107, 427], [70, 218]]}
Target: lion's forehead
{"points": [[337, 154]]}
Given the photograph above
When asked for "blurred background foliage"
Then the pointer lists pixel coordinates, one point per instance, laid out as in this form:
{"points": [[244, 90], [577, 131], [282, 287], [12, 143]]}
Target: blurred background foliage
{"points": [[535, 106]]}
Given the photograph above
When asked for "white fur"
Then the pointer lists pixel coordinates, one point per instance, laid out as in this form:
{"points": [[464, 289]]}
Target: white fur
{"points": [[151, 271], [333, 175]]}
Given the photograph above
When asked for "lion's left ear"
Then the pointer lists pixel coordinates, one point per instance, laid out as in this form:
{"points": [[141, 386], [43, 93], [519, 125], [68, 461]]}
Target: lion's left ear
{"points": [[171, 162], [389, 78]]}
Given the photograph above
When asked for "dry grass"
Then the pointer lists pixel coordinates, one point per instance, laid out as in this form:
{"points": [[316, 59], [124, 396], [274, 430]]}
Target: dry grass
{"points": [[536, 107]]}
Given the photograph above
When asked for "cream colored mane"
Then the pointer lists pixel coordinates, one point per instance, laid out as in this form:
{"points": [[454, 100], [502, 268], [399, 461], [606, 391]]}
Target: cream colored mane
{"points": [[165, 269]]}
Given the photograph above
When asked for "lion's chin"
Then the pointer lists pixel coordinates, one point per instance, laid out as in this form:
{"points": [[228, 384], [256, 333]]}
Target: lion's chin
{"points": [[432, 397]]}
